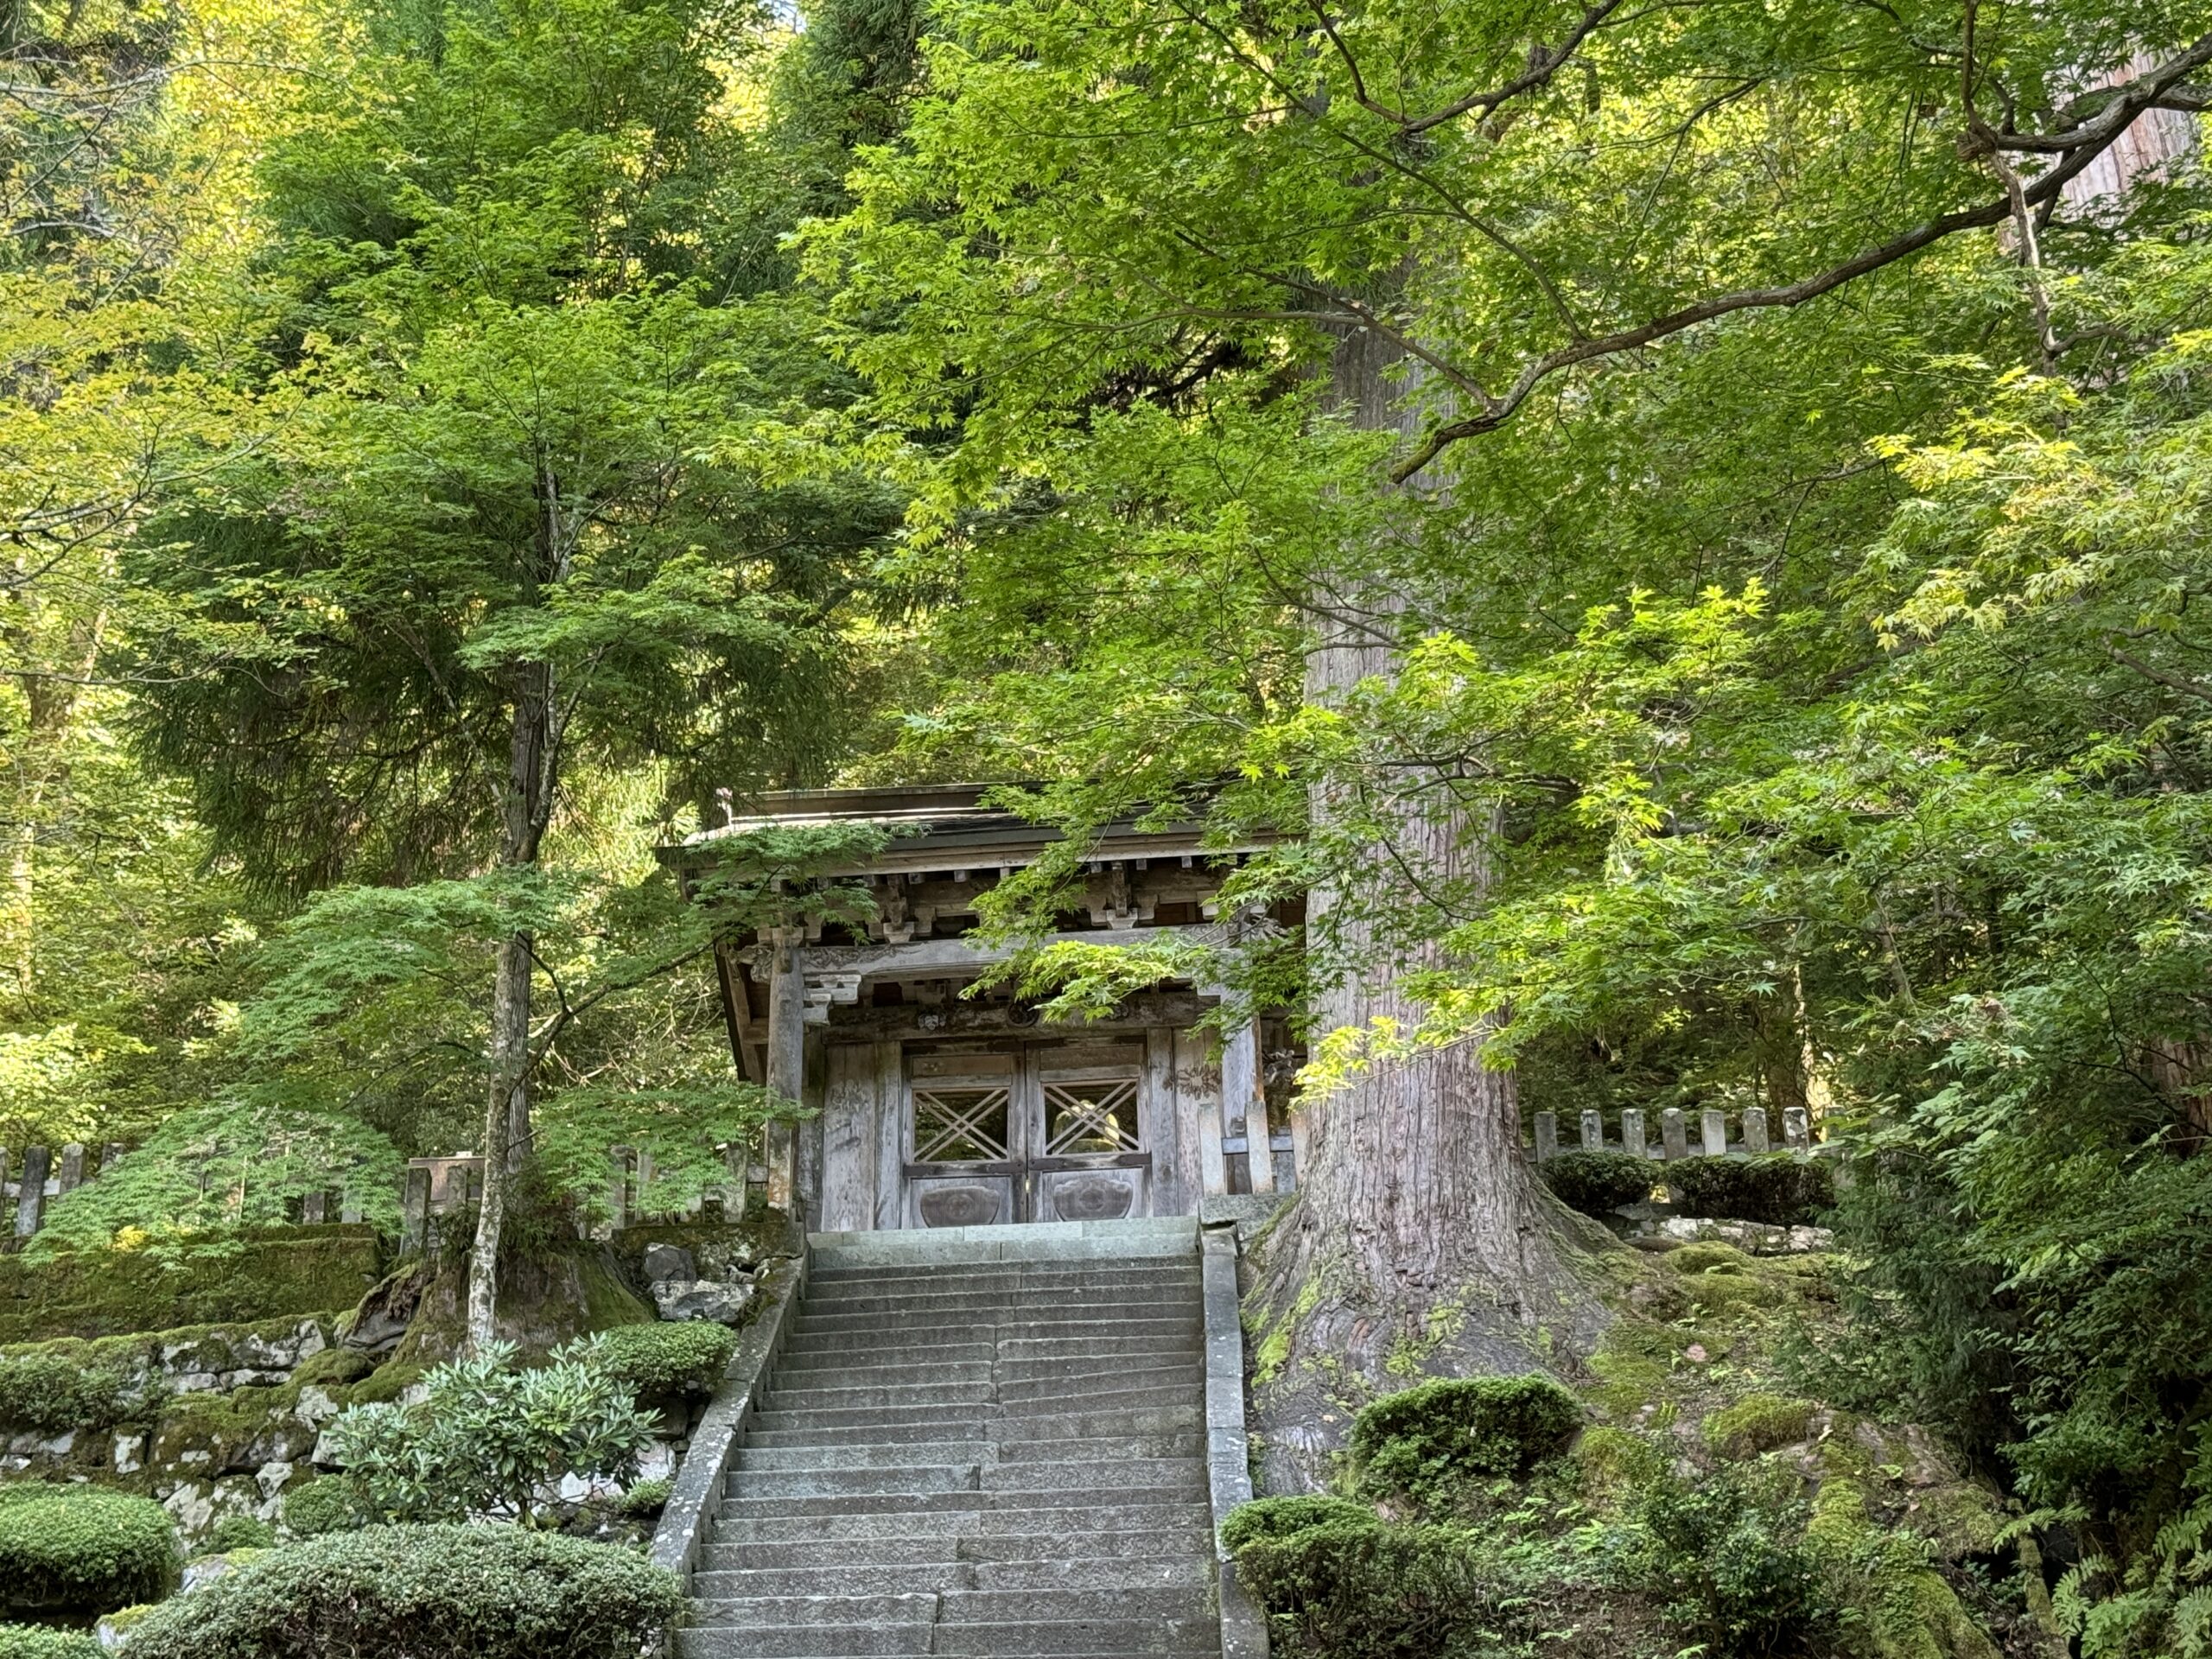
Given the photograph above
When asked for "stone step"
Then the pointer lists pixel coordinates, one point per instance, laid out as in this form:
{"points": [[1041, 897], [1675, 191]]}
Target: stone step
{"points": [[1183, 1638], [918, 1512], [890, 1425], [882, 1480], [814, 1642], [1181, 1542], [834, 1611], [1186, 1474], [1096, 1384], [981, 1324], [1185, 1570], [830, 1281], [854, 1453], [876, 1396], [868, 1297], [803, 1363], [954, 1608], [1171, 1238], [1017, 1374]]}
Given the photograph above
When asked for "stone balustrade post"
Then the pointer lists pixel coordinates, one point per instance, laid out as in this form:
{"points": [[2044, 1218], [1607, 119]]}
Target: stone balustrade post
{"points": [[1712, 1130], [72, 1173], [617, 1188], [414, 1211], [1593, 1132], [1755, 1142], [1633, 1140], [1547, 1136], [30, 1203], [312, 1209], [1797, 1130], [111, 1155], [1673, 1136]]}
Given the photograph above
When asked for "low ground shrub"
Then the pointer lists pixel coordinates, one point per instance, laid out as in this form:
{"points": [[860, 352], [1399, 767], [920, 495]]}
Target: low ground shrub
{"points": [[647, 1497], [239, 1532], [1599, 1182], [425, 1593], [1730, 1571], [489, 1438], [1363, 1589], [51, 1395], [332, 1503], [82, 1549], [43, 1642], [670, 1356], [1280, 1518], [1429, 1441], [1780, 1189]]}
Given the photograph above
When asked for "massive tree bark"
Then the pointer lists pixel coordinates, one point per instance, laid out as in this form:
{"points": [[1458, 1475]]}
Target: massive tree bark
{"points": [[1419, 1233]]}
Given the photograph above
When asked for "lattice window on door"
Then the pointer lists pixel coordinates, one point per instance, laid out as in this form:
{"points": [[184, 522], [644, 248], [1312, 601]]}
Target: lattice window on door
{"points": [[955, 1125], [1083, 1117]]}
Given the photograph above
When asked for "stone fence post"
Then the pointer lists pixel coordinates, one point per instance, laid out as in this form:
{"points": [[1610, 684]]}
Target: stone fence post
{"points": [[1713, 1129], [1673, 1134], [1755, 1130], [1633, 1140], [1547, 1137], [72, 1168], [1593, 1132], [30, 1204], [1796, 1130]]}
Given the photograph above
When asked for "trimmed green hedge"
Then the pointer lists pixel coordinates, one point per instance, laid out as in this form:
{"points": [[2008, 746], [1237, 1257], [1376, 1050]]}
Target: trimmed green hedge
{"points": [[681, 1356], [1359, 1589], [425, 1593], [1599, 1182], [1270, 1518], [1779, 1189], [232, 1280], [43, 1642], [82, 1549], [331, 1503], [52, 1395], [1428, 1439]]}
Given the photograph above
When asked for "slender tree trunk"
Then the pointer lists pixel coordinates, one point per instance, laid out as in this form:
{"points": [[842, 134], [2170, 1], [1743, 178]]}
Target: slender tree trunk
{"points": [[532, 745], [1418, 1233]]}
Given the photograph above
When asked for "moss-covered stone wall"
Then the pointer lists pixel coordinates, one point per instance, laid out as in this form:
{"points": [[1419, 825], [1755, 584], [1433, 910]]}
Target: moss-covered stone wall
{"points": [[260, 1275]]}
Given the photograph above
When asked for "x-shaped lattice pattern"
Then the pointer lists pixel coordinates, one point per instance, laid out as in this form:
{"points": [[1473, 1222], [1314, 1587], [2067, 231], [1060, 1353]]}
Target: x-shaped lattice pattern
{"points": [[956, 1124], [1093, 1112]]}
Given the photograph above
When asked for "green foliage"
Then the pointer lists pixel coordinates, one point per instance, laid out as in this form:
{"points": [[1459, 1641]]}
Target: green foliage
{"points": [[1780, 1189], [1273, 1518], [489, 1438], [646, 1499], [1364, 1590], [667, 1358], [1598, 1183], [221, 1169], [1438, 1439], [1729, 1570], [327, 1503], [52, 1394], [1757, 1423], [81, 1549], [437, 1591], [222, 1277], [239, 1532], [43, 1642]]}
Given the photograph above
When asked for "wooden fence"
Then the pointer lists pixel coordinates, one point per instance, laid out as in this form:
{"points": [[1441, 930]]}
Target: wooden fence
{"points": [[1752, 1140]]}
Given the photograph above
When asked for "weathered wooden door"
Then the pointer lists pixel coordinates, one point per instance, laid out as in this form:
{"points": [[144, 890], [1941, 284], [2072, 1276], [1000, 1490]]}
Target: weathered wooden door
{"points": [[1044, 1132]]}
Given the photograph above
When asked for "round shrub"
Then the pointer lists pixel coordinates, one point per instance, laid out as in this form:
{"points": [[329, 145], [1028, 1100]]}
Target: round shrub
{"points": [[1779, 1189], [81, 1549], [670, 1357], [50, 1394], [1280, 1518], [1599, 1182], [332, 1503], [1429, 1439], [43, 1642], [422, 1592], [239, 1532]]}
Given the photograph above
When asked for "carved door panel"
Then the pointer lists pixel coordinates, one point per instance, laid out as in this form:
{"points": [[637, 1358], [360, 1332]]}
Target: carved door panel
{"points": [[1049, 1133]]}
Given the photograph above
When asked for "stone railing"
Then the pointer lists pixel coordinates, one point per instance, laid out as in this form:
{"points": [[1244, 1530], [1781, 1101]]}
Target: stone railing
{"points": [[1752, 1140], [27, 1183]]}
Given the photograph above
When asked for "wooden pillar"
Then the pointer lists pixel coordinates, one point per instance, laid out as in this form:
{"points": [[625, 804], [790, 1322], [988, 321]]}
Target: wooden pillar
{"points": [[786, 1066], [1198, 1101], [1241, 1097], [30, 1203], [891, 1133]]}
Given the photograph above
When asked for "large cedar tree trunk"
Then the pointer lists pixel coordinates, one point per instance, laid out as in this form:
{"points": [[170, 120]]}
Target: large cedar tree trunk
{"points": [[1419, 1233]]}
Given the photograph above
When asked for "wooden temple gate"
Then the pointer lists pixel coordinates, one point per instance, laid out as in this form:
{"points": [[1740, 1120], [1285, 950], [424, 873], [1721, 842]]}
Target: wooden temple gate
{"points": [[933, 1109]]}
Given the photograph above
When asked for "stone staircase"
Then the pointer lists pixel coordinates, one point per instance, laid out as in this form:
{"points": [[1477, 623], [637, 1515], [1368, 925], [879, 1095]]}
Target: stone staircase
{"points": [[988, 1445]]}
